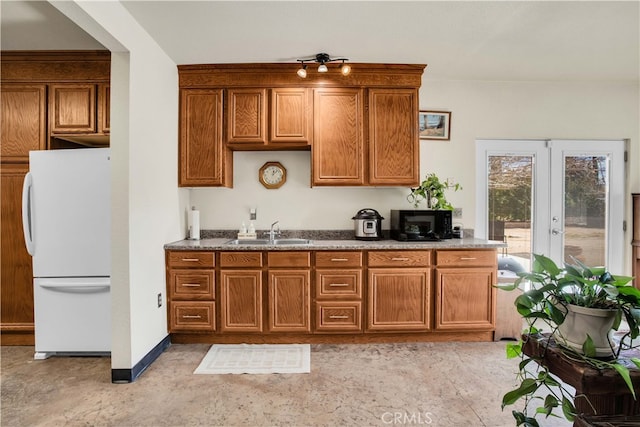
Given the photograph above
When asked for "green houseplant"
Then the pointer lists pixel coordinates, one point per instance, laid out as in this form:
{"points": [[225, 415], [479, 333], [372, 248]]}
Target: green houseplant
{"points": [[554, 293], [432, 191]]}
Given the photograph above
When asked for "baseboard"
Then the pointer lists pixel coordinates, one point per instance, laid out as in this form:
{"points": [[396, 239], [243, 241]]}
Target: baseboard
{"points": [[130, 375]]}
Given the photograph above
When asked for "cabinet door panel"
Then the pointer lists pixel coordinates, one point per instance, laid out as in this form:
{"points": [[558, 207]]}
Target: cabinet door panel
{"points": [[72, 109], [16, 283], [393, 137], [203, 160], [241, 301], [337, 150], [290, 116], [289, 301], [246, 116], [465, 298], [398, 299], [23, 121]]}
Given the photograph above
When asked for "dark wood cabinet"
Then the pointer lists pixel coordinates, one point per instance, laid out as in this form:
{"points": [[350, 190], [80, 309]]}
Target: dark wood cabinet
{"points": [[16, 303], [23, 121]]}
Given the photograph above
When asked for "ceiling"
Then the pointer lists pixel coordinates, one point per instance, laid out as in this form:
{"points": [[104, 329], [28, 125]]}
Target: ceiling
{"points": [[473, 40]]}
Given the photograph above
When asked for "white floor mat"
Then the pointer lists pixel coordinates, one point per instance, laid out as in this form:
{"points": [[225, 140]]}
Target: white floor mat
{"points": [[256, 359]]}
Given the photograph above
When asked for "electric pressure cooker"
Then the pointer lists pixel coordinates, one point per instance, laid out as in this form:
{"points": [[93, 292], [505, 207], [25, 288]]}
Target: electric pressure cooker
{"points": [[368, 224]]}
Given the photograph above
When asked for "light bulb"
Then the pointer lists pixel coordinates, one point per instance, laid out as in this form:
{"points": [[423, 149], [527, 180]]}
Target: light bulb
{"points": [[302, 72], [322, 68], [345, 69]]}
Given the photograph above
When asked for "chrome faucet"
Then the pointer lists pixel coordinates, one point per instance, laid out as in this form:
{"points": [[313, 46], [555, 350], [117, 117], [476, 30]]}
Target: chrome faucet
{"points": [[274, 231]]}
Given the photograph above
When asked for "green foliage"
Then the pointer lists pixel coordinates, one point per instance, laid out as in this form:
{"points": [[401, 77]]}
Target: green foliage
{"points": [[432, 191], [552, 289]]}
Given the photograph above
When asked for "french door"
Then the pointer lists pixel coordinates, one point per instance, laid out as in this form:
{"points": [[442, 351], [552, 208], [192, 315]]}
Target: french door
{"points": [[560, 198]]}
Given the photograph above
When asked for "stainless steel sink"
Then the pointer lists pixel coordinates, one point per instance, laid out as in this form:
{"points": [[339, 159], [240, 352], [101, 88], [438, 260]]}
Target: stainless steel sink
{"points": [[267, 242]]}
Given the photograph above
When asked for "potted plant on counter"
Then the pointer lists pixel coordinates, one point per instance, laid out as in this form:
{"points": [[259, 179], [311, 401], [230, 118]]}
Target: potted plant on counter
{"points": [[432, 190], [558, 301]]}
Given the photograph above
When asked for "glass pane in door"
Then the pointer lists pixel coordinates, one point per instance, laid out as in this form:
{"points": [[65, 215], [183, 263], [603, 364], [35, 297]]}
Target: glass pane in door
{"points": [[510, 205], [585, 208]]}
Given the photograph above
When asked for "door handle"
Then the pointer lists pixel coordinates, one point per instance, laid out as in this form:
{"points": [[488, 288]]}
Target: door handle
{"points": [[556, 232], [27, 213]]}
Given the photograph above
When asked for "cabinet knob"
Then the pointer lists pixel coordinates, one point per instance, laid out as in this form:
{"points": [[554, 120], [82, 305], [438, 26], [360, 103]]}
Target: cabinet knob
{"points": [[399, 259], [338, 284], [190, 259], [191, 285], [339, 259], [192, 316], [335, 316]]}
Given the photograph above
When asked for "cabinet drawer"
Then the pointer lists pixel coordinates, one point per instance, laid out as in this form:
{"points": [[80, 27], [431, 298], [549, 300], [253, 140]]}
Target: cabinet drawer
{"points": [[466, 258], [192, 316], [399, 258], [191, 259], [339, 259], [339, 284], [192, 284], [338, 316], [241, 259], [288, 259]]}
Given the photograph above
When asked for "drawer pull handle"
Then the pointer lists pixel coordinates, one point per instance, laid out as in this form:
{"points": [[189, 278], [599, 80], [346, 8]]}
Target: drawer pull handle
{"points": [[191, 316], [190, 259], [400, 259], [338, 284], [335, 316], [340, 259], [467, 258], [191, 285]]}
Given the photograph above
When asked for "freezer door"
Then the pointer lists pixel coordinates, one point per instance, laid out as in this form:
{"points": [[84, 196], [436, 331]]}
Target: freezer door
{"points": [[68, 208], [72, 315]]}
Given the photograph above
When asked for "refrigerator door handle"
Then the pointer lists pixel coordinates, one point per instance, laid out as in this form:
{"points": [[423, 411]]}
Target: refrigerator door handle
{"points": [[27, 206], [77, 289]]}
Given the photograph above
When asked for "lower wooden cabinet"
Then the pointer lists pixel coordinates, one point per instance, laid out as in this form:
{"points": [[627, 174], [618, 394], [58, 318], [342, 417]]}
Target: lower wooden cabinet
{"points": [[465, 293], [399, 299], [241, 301], [191, 291], [289, 301], [367, 295]]}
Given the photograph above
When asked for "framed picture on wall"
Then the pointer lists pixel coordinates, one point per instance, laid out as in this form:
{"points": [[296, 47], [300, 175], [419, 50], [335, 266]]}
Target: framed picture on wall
{"points": [[435, 124]]}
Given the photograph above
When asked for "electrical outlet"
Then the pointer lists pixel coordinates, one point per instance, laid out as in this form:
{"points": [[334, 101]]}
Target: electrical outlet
{"points": [[160, 300], [253, 214], [457, 212]]}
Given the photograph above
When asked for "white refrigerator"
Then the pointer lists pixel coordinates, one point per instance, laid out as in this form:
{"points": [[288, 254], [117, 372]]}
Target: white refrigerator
{"points": [[66, 215]]}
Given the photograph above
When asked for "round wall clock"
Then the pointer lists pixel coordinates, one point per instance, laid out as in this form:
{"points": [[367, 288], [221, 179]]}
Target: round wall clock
{"points": [[272, 175]]}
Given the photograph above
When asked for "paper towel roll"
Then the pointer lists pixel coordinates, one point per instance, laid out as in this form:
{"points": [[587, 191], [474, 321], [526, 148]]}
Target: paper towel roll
{"points": [[194, 226]]}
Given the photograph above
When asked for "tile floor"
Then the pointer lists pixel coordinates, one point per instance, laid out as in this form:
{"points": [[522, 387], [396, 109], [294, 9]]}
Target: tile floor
{"points": [[435, 384]]}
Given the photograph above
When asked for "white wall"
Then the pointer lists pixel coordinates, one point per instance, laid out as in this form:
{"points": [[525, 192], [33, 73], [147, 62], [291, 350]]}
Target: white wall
{"points": [[146, 200], [480, 109]]}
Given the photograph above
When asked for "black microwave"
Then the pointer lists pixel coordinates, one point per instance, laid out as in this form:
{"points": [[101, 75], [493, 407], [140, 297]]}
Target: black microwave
{"points": [[421, 225]]}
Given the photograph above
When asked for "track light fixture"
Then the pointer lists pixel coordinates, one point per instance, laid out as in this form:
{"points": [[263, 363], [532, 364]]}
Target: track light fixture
{"points": [[323, 59]]}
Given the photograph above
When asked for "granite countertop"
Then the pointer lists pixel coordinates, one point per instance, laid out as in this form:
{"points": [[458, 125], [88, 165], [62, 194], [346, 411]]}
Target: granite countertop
{"points": [[214, 244]]}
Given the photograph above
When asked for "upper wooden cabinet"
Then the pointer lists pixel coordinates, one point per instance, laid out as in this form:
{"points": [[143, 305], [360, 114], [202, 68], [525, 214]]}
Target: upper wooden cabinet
{"points": [[362, 129], [253, 120], [393, 137], [79, 109], [23, 121], [246, 116], [204, 161], [72, 108], [338, 151]]}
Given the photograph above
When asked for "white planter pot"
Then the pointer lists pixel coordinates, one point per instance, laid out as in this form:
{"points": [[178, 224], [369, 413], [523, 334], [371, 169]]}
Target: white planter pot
{"points": [[580, 321]]}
